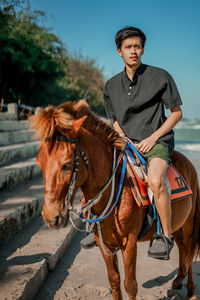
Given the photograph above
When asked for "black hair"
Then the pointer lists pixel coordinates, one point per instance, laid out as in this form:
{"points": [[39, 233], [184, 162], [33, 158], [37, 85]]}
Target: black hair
{"points": [[127, 32]]}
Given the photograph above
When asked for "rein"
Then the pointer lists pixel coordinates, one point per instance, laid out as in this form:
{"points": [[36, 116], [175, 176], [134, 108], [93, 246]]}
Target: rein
{"points": [[86, 208]]}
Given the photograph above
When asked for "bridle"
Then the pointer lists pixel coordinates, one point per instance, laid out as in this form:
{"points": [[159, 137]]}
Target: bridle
{"points": [[76, 164], [87, 206]]}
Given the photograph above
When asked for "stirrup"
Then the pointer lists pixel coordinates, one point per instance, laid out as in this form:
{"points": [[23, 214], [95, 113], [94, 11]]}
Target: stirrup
{"points": [[169, 244]]}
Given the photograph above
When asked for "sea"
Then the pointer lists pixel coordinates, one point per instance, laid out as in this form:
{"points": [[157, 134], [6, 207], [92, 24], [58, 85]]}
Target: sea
{"points": [[187, 140]]}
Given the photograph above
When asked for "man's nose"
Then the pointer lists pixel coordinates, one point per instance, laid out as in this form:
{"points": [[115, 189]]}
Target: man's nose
{"points": [[133, 49]]}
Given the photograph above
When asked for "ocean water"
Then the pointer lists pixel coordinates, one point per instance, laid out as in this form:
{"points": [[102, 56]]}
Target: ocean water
{"points": [[187, 140]]}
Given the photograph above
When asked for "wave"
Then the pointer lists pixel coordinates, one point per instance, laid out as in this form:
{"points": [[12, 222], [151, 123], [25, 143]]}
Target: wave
{"points": [[188, 124], [192, 151], [187, 135], [187, 146]]}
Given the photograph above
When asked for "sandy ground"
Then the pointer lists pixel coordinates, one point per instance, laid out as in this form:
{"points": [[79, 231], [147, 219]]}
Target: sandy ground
{"points": [[81, 274]]}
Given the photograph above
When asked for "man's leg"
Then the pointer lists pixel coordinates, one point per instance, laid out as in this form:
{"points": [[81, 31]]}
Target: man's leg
{"points": [[156, 180]]}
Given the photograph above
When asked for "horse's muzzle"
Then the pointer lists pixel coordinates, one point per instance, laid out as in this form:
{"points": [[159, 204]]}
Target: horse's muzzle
{"points": [[58, 221]]}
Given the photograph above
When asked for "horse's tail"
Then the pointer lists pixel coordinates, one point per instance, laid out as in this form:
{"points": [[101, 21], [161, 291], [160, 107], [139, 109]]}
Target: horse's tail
{"points": [[197, 216], [194, 251]]}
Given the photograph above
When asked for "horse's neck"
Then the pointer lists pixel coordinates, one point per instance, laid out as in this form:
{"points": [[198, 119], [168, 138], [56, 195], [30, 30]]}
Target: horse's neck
{"points": [[100, 158]]}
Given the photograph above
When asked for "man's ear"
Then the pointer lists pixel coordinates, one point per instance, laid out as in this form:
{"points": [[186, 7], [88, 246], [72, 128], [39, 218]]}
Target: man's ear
{"points": [[119, 52]]}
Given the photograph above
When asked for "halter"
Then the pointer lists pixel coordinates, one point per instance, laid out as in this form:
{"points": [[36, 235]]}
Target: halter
{"points": [[76, 164]]}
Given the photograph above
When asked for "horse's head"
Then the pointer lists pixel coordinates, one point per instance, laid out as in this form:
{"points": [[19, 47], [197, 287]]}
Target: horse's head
{"points": [[58, 131]]}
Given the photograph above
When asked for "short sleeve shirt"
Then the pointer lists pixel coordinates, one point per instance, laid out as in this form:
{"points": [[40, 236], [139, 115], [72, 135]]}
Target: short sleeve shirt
{"points": [[139, 104]]}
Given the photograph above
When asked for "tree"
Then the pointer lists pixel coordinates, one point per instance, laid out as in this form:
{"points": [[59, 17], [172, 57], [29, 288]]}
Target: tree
{"points": [[35, 65], [84, 79], [29, 61]]}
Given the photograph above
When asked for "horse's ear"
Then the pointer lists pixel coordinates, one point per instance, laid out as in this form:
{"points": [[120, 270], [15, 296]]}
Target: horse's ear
{"points": [[78, 123]]}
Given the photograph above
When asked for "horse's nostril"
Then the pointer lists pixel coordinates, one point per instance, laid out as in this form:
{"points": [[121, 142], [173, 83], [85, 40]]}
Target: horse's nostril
{"points": [[57, 220]]}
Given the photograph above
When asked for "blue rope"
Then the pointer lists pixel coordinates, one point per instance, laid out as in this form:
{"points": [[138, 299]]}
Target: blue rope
{"points": [[156, 217], [141, 158], [131, 147], [143, 162], [117, 198]]}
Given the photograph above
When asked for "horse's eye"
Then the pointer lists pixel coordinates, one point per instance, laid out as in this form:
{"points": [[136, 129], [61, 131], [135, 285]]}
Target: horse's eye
{"points": [[66, 167]]}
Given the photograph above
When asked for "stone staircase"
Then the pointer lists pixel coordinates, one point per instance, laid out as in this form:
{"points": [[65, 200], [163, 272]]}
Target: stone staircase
{"points": [[28, 249]]}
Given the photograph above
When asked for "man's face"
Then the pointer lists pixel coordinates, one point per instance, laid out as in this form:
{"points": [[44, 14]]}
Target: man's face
{"points": [[131, 51]]}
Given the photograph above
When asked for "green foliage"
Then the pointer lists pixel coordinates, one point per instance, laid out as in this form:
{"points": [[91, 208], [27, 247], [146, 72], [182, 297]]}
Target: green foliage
{"points": [[84, 80], [35, 66]]}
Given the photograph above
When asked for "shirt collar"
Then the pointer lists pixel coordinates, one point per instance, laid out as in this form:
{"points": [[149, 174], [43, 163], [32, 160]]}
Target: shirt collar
{"points": [[137, 72]]}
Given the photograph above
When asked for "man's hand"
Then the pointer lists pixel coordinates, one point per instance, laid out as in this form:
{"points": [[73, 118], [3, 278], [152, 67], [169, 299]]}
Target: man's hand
{"points": [[147, 144]]}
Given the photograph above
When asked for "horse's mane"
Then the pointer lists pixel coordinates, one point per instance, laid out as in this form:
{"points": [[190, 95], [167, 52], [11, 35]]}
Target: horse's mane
{"points": [[56, 120]]}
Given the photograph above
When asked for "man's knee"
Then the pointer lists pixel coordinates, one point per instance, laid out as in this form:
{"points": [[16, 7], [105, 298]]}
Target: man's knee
{"points": [[156, 184]]}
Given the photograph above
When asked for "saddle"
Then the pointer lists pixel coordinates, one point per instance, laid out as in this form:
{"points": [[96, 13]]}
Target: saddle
{"points": [[137, 177]]}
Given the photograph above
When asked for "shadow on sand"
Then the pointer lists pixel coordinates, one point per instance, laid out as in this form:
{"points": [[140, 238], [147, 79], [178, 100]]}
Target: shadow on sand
{"points": [[173, 294]]}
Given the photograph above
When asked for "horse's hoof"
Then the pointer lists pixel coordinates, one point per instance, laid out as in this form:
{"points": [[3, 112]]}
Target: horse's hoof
{"points": [[191, 296], [177, 284]]}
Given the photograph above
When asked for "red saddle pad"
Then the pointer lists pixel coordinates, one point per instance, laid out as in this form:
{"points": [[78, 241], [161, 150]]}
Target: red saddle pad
{"points": [[179, 187]]}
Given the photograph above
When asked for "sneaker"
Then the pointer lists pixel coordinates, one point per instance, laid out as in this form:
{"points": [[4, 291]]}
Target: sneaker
{"points": [[160, 246], [89, 241]]}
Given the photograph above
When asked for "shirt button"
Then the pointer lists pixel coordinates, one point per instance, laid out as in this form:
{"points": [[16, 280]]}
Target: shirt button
{"points": [[129, 94]]}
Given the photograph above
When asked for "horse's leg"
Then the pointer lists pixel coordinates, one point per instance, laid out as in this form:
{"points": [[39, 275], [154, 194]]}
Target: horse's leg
{"points": [[113, 276], [129, 258], [187, 234], [182, 270], [190, 285], [113, 273], [182, 237]]}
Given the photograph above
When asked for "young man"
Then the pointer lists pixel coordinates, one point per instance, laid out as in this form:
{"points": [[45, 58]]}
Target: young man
{"points": [[135, 100]]}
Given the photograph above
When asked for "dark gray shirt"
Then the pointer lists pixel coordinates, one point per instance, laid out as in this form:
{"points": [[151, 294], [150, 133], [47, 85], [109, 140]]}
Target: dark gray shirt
{"points": [[138, 105]]}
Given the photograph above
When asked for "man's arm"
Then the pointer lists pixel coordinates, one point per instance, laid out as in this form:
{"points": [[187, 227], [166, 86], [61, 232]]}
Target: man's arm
{"points": [[147, 144], [118, 128]]}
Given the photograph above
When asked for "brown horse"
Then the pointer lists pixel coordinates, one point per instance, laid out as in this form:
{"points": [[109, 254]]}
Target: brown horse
{"points": [[120, 229]]}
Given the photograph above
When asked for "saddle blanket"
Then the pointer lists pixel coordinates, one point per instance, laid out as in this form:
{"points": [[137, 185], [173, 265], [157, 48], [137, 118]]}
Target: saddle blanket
{"points": [[137, 176]]}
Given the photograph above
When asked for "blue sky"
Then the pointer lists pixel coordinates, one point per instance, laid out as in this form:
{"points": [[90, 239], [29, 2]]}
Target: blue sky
{"points": [[172, 28]]}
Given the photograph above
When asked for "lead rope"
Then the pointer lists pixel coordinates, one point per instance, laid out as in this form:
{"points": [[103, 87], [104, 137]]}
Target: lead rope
{"points": [[102, 243], [71, 210], [97, 198], [118, 194], [73, 224], [97, 220]]}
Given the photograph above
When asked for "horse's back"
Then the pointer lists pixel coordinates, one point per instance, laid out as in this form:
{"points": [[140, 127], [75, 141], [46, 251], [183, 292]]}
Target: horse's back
{"points": [[185, 167]]}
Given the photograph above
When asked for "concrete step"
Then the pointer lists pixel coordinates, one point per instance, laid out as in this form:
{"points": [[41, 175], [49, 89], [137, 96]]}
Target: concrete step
{"points": [[6, 116], [18, 152], [26, 260], [16, 137], [13, 174], [18, 206], [12, 125]]}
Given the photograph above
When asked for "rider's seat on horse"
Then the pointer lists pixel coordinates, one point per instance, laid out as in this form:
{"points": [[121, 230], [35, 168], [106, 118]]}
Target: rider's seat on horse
{"points": [[137, 175]]}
